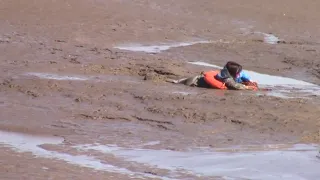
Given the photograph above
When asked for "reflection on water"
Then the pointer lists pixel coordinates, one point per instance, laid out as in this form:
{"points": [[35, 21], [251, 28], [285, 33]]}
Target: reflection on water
{"points": [[252, 162]]}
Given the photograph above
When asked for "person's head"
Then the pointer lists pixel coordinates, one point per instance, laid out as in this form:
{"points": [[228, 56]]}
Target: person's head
{"points": [[234, 68]]}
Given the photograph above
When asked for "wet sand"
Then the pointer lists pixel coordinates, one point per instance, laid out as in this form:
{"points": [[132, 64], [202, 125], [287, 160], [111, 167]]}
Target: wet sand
{"points": [[93, 72]]}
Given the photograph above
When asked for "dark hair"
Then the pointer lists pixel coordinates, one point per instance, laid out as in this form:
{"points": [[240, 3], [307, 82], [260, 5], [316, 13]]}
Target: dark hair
{"points": [[233, 68]]}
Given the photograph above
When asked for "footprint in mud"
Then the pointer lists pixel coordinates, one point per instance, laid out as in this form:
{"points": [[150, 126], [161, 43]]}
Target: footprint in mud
{"points": [[4, 41], [55, 50], [73, 59], [98, 51], [60, 41]]}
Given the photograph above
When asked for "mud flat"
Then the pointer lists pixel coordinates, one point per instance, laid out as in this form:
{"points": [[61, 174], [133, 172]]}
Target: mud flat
{"points": [[84, 96]]}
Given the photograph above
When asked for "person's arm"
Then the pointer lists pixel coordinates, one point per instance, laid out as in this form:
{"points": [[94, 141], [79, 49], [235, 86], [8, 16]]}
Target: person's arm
{"points": [[246, 80], [244, 77], [232, 84]]}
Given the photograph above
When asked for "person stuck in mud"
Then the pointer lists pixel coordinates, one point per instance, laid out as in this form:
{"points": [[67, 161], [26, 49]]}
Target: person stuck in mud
{"points": [[230, 77]]}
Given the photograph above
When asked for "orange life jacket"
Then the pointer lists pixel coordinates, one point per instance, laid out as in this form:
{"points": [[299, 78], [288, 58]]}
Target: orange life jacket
{"points": [[210, 79]]}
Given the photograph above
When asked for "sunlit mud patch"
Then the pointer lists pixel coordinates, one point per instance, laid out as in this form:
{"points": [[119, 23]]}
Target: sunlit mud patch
{"points": [[103, 78], [157, 48], [286, 163], [281, 86], [29, 143]]}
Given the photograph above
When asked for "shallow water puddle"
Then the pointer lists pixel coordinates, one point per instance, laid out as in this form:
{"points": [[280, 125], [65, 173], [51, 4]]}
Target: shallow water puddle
{"points": [[284, 87], [288, 163], [60, 77], [269, 38], [252, 162], [157, 48], [29, 143], [184, 93]]}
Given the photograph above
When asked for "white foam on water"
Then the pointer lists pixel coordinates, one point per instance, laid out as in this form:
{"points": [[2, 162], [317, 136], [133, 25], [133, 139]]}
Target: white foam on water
{"points": [[157, 48], [28, 143], [295, 163], [58, 77]]}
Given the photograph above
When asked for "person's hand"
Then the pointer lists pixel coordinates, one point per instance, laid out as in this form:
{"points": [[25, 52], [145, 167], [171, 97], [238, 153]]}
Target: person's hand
{"points": [[251, 87], [250, 83], [254, 83]]}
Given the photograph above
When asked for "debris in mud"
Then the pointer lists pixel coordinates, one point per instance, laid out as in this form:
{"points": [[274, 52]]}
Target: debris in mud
{"points": [[237, 121]]}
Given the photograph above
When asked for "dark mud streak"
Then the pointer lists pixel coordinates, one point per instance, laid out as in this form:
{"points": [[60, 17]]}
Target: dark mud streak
{"points": [[86, 116], [151, 120]]}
